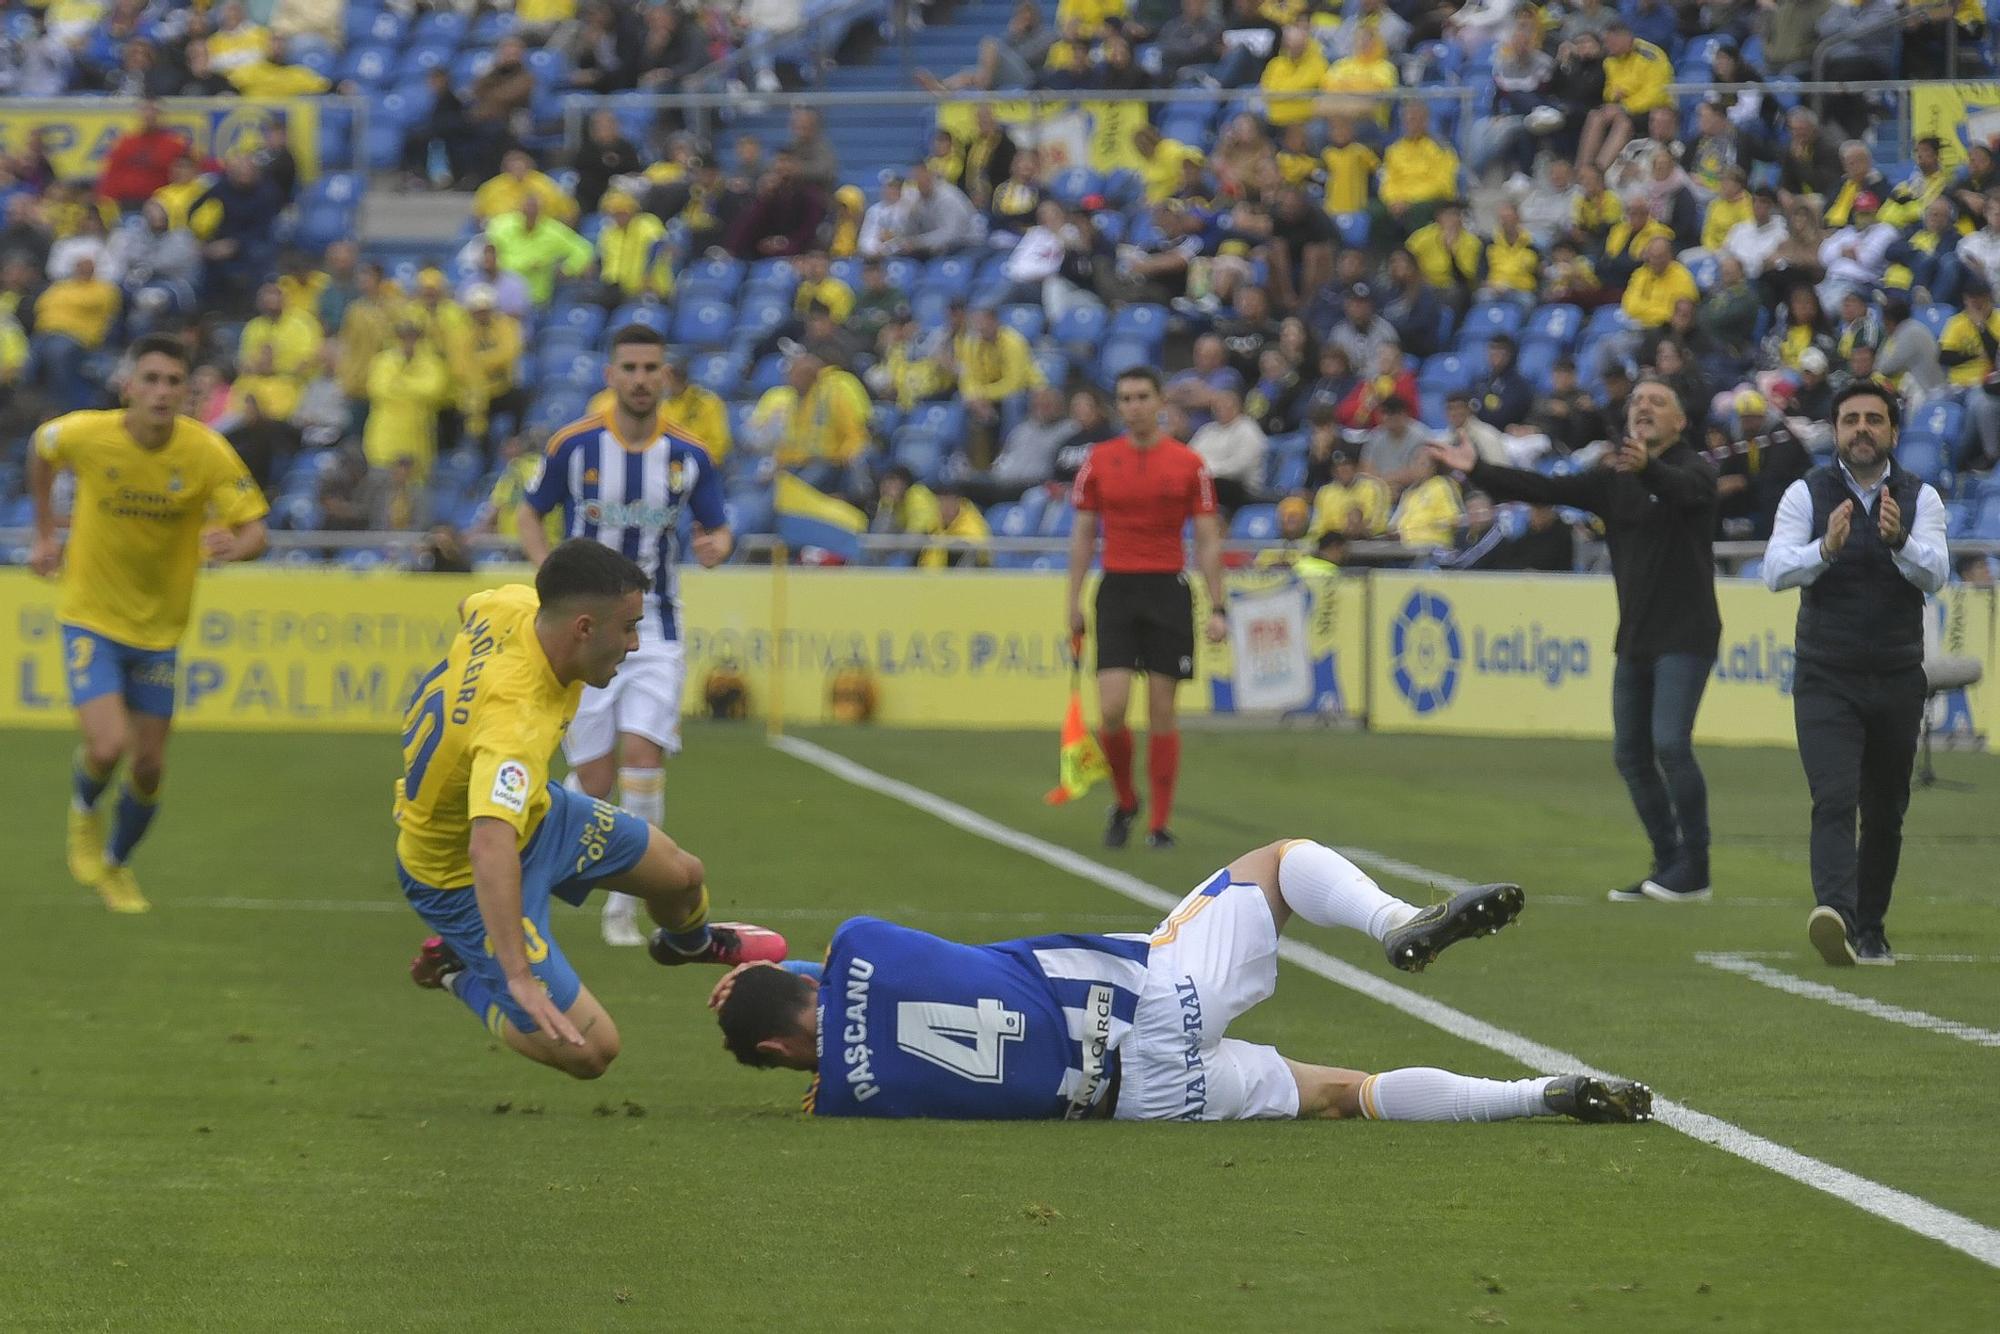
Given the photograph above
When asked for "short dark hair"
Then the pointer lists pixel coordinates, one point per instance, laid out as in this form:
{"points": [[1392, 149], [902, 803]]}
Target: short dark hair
{"points": [[161, 345], [1146, 373], [763, 1004], [1870, 389], [583, 568], [638, 333]]}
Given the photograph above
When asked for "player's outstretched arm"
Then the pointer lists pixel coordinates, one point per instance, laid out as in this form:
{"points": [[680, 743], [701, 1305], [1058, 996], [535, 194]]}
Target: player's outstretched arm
{"points": [[534, 537], [45, 557], [1208, 559], [713, 545], [245, 541], [496, 882]]}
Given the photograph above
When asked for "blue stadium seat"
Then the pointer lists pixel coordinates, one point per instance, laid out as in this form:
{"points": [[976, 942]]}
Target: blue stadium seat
{"points": [[767, 375], [1121, 355], [368, 26], [929, 306], [1010, 519], [334, 187], [1942, 419], [716, 271], [560, 344], [951, 273], [1447, 372], [584, 371], [1926, 456], [420, 60], [1071, 184], [761, 314], [1537, 361], [1145, 323], [1430, 408], [1559, 324], [704, 323], [717, 372], [1123, 188], [1289, 473], [549, 66], [1081, 324], [1934, 317], [321, 60], [441, 27], [320, 225], [583, 319], [1488, 318], [943, 419], [1023, 319], [750, 512], [883, 420], [369, 66], [1054, 365], [1986, 524], [1353, 229], [1255, 523], [1706, 270], [467, 66], [921, 452], [1057, 520], [902, 273], [652, 314], [489, 28]]}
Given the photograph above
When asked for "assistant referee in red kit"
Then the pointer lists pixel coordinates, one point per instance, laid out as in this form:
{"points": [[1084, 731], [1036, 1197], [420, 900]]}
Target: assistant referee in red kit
{"points": [[1142, 488]]}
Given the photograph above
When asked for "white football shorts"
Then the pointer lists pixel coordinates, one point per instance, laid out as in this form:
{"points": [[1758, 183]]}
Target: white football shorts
{"points": [[644, 698], [1214, 957]]}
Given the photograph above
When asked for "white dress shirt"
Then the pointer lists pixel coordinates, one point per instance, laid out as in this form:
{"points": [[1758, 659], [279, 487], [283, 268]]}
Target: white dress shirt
{"points": [[1753, 243], [1793, 558]]}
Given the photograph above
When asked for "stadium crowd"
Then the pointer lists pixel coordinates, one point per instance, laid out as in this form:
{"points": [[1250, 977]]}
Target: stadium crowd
{"points": [[1330, 282]]}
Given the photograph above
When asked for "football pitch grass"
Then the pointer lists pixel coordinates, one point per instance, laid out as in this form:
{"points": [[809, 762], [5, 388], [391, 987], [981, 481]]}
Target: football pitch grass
{"points": [[237, 1113]]}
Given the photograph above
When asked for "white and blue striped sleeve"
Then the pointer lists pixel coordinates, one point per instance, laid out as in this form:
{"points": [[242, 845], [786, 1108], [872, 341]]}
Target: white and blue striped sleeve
{"points": [[1792, 558], [1924, 559]]}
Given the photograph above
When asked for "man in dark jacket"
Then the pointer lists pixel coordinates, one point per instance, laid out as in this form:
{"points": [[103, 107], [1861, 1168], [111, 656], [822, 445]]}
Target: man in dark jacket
{"points": [[784, 219], [1657, 501], [1863, 541], [1753, 472], [1503, 398]]}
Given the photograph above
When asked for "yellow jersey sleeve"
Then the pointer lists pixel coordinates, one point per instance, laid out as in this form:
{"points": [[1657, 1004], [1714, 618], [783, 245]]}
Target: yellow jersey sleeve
{"points": [[234, 499], [509, 768], [56, 440]]}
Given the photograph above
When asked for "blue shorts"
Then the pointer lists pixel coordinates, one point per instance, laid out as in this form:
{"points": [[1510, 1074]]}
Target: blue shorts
{"points": [[97, 665], [579, 842]]}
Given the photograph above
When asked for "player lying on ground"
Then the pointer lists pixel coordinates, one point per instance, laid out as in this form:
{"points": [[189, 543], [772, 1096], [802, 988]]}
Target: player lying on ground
{"points": [[901, 1023], [484, 840]]}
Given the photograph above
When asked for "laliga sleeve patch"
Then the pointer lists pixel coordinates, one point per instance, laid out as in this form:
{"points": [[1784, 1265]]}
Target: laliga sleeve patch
{"points": [[510, 786]]}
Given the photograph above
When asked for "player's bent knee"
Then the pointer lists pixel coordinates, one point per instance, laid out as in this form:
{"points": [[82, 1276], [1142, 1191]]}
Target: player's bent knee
{"points": [[147, 772]]}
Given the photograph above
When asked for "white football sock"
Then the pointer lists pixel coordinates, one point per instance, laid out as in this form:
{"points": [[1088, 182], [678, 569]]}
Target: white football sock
{"points": [[643, 793], [1326, 889], [1421, 1093]]}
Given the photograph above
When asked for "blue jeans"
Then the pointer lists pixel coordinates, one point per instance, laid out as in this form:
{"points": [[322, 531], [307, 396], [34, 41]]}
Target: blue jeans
{"points": [[1653, 704], [59, 368]]}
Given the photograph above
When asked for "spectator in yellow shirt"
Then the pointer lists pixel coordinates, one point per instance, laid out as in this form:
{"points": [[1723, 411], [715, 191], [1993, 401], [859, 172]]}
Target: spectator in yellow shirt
{"points": [[1450, 256], [1636, 75], [495, 348], [815, 424], [447, 329], [236, 42], [1360, 79], [995, 365], [365, 329], [1969, 347], [1428, 512], [292, 335], [1350, 167], [1657, 285], [500, 515], [961, 530], [1513, 265], [72, 316], [277, 395], [632, 257], [1088, 16], [1625, 244], [817, 286], [517, 180], [695, 412], [1160, 162], [1354, 504], [407, 384], [1730, 206], [1292, 76], [1418, 174], [272, 75]]}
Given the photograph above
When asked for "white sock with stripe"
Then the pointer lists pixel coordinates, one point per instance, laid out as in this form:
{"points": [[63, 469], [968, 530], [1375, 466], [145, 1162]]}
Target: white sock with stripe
{"points": [[1326, 889], [641, 792], [1422, 1093]]}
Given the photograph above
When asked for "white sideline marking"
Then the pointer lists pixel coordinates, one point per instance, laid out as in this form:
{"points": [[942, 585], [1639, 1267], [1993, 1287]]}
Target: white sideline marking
{"points": [[803, 914], [1920, 1216], [1744, 966]]}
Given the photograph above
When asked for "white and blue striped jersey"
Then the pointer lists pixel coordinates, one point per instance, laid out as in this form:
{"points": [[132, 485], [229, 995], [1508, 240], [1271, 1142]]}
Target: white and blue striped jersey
{"points": [[913, 1025], [631, 498]]}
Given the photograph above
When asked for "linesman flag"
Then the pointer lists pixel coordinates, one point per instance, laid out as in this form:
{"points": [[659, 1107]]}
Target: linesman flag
{"points": [[1080, 764]]}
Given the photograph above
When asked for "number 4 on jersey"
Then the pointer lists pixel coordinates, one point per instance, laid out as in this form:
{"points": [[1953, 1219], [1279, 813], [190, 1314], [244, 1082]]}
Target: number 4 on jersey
{"points": [[968, 1040]]}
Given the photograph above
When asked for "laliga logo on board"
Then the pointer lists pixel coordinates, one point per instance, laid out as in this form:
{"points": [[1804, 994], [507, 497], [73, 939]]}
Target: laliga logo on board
{"points": [[1427, 650]]}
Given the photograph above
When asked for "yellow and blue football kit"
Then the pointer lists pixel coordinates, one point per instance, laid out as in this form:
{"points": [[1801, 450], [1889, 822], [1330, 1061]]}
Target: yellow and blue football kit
{"points": [[135, 547], [477, 739]]}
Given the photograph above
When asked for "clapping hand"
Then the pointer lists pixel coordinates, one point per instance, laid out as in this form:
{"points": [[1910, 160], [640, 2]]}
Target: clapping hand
{"points": [[1890, 521], [1837, 526]]}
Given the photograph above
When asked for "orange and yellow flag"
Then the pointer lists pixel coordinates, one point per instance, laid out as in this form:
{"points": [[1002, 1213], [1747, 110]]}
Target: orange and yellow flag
{"points": [[1080, 765]]}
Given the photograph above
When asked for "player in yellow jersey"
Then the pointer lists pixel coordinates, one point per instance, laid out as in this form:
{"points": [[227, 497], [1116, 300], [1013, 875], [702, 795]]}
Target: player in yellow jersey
{"points": [[485, 840], [151, 488]]}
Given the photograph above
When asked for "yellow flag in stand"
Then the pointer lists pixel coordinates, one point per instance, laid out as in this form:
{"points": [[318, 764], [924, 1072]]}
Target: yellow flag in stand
{"points": [[1081, 765]]}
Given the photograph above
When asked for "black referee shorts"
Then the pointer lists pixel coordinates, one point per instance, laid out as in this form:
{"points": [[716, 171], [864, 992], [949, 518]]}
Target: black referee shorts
{"points": [[1145, 623]]}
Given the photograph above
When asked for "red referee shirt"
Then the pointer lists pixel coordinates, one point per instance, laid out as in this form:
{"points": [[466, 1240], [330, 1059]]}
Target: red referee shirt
{"points": [[1143, 499]]}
